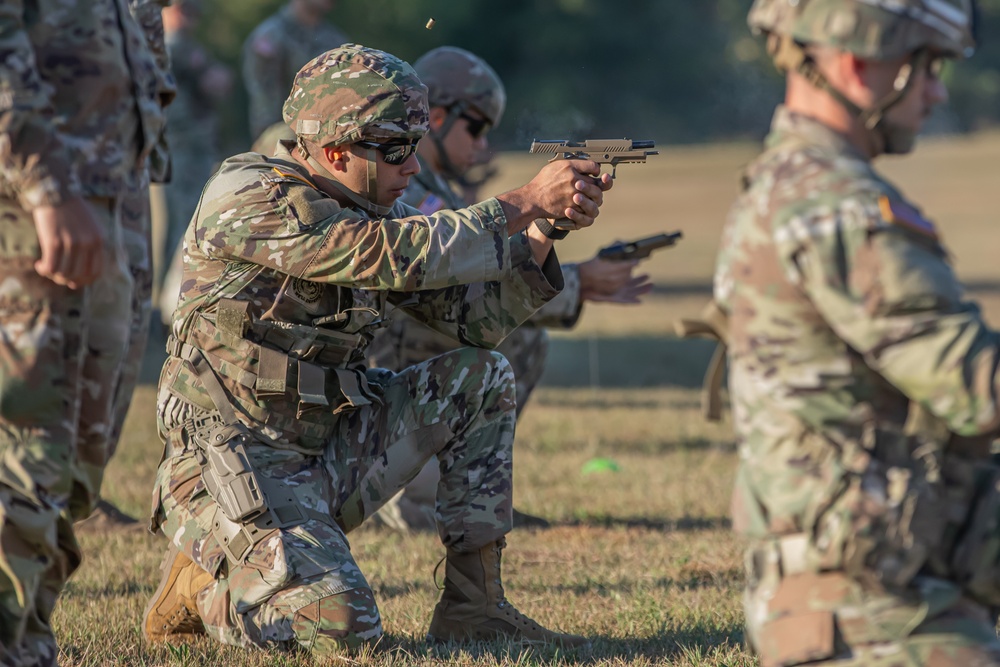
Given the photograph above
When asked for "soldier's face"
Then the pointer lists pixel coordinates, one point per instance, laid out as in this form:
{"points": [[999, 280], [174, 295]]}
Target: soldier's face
{"points": [[391, 179], [466, 139], [926, 91]]}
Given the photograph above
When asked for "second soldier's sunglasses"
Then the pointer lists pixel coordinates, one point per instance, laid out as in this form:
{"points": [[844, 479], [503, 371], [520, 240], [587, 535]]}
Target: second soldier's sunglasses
{"points": [[477, 127], [393, 153]]}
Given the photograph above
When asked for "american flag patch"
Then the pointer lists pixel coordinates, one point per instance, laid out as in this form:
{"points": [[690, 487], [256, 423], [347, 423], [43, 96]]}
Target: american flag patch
{"points": [[897, 212], [430, 204]]}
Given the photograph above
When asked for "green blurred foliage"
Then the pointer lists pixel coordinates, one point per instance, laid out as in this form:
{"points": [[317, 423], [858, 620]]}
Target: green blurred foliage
{"points": [[670, 71]]}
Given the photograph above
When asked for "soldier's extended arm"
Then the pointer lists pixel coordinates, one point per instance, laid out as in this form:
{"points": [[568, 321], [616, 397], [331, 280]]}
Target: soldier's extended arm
{"points": [[601, 151], [640, 249]]}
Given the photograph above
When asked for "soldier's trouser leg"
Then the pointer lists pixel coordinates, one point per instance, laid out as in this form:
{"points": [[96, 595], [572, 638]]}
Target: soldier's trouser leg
{"points": [[458, 406], [829, 620], [300, 585], [54, 368], [526, 349], [136, 237]]}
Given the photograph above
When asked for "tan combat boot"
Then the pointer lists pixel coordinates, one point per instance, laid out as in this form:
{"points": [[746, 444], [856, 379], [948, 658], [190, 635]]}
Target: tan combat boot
{"points": [[172, 614], [473, 606]]}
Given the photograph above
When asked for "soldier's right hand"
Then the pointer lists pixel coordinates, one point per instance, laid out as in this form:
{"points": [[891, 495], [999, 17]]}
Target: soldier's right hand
{"points": [[71, 242], [571, 189]]}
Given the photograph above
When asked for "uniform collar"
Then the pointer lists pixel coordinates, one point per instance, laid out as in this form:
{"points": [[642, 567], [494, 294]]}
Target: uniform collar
{"points": [[790, 127]]}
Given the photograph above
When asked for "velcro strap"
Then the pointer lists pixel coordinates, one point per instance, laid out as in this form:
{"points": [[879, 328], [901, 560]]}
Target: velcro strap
{"points": [[350, 387], [231, 320], [312, 384], [272, 372]]}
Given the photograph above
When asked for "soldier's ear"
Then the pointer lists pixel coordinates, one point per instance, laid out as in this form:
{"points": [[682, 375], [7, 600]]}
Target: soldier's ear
{"points": [[437, 117], [337, 156]]}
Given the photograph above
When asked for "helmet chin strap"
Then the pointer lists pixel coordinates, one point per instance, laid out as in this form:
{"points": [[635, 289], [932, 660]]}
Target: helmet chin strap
{"points": [[884, 136], [364, 199], [448, 168]]}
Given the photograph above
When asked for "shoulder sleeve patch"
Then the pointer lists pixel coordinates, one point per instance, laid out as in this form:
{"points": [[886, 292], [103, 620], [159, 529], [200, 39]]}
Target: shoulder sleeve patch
{"points": [[896, 212], [430, 204]]}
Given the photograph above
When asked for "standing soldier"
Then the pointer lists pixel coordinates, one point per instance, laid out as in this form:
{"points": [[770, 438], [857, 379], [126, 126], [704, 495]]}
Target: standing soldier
{"points": [[466, 100], [136, 237], [278, 441], [277, 48], [192, 128], [865, 389], [80, 113]]}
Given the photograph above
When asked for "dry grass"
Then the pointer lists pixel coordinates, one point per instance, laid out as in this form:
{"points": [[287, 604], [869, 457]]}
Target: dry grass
{"points": [[640, 559]]}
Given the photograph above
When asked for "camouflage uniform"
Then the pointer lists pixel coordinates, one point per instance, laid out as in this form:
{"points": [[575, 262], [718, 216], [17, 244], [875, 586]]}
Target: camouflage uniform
{"points": [[406, 341], [282, 291], [273, 54], [864, 393], [81, 113]]}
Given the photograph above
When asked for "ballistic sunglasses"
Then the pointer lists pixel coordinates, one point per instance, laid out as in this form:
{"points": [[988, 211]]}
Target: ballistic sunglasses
{"points": [[395, 153]]}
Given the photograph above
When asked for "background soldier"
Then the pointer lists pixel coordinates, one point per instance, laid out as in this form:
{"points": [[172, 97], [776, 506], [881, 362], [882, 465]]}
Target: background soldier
{"points": [[467, 99], [864, 388], [291, 261], [202, 83], [83, 109], [277, 48]]}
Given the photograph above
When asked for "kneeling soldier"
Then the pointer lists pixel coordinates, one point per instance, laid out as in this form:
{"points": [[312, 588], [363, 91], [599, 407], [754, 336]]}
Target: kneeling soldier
{"points": [[278, 440]]}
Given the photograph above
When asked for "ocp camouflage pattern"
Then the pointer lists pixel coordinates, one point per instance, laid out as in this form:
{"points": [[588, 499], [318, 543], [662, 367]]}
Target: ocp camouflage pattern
{"points": [[67, 140], [267, 237], [864, 387]]}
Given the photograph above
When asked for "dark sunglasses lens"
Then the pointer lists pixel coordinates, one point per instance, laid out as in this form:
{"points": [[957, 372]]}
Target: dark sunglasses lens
{"points": [[396, 154], [477, 127]]}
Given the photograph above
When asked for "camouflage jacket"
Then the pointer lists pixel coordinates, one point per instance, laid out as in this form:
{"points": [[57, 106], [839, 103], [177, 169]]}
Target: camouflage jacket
{"points": [[843, 309], [80, 99], [272, 56], [430, 192], [299, 263]]}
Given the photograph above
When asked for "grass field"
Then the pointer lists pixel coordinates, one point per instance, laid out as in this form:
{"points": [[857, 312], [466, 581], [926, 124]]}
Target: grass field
{"points": [[641, 559]]}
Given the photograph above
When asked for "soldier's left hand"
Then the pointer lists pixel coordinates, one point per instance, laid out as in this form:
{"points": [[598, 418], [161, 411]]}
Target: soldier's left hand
{"points": [[612, 281]]}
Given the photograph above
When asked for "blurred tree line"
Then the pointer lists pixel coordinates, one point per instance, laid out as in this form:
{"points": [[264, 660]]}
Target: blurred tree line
{"points": [[677, 72]]}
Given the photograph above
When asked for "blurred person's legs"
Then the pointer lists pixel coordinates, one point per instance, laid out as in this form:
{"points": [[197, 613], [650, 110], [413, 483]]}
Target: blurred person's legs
{"points": [[136, 237], [60, 357]]}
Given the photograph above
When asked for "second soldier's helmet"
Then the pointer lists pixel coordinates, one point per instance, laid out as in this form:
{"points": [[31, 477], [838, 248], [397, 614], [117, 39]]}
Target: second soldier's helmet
{"points": [[355, 93], [455, 76], [871, 29]]}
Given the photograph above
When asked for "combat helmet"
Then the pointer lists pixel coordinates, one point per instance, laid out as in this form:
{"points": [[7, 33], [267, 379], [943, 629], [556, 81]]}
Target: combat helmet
{"points": [[872, 30], [355, 93], [458, 81]]}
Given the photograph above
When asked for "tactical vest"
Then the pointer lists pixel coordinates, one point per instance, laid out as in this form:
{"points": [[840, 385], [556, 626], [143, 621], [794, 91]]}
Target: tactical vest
{"points": [[295, 379]]}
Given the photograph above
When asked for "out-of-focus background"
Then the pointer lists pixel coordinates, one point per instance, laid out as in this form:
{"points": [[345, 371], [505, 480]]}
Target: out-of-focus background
{"points": [[678, 72]]}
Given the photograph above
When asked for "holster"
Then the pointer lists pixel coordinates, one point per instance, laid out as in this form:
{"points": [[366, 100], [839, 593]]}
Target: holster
{"points": [[227, 473]]}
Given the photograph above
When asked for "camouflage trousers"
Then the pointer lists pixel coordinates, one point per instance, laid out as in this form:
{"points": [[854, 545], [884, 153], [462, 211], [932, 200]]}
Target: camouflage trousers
{"points": [[406, 342], [300, 586], [136, 236], [60, 357], [827, 618]]}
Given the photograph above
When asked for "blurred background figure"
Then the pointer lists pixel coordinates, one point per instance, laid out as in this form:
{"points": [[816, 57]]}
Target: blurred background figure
{"points": [[192, 127], [277, 48]]}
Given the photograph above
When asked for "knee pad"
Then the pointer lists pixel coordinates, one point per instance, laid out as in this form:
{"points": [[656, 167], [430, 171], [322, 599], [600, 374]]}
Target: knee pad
{"points": [[334, 623]]}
